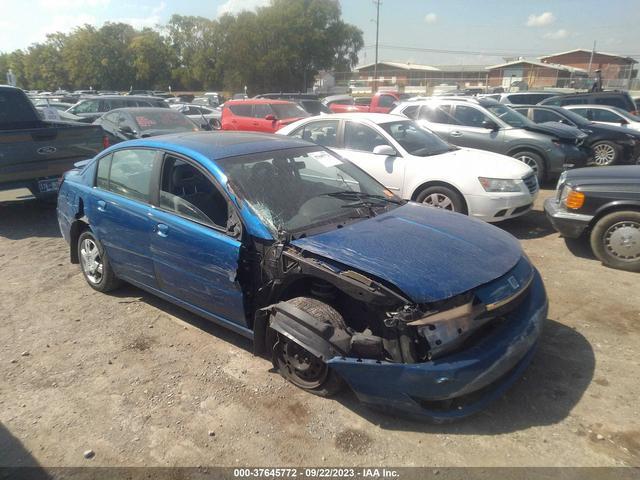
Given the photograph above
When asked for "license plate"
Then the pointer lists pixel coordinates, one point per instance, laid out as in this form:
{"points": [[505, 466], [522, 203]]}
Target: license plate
{"points": [[50, 185]]}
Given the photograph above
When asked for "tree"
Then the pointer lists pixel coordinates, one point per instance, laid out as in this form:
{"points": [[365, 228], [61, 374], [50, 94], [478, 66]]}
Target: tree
{"points": [[152, 60]]}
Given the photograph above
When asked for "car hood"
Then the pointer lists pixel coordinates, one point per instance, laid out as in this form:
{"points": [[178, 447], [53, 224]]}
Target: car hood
{"points": [[427, 253], [479, 163], [557, 129], [619, 174], [620, 132]]}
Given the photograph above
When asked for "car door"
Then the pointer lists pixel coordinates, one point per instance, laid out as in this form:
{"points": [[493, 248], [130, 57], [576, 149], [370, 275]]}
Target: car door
{"points": [[259, 122], [195, 256], [437, 118], [359, 142], [471, 130], [119, 211]]}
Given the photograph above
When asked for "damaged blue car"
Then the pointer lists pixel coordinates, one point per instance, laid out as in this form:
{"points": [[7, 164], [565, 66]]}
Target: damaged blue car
{"points": [[338, 281]]}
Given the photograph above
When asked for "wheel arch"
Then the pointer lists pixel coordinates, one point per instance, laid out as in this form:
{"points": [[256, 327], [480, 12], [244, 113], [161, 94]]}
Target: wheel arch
{"points": [[440, 183], [616, 206], [79, 225]]}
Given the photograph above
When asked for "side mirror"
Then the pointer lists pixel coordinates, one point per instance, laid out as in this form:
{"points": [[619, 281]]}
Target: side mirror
{"points": [[386, 150], [271, 117], [624, 121], [127, 130], [490, 125]]}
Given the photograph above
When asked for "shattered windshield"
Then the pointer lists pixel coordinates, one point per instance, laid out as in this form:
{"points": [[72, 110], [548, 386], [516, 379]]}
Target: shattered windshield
{"points": [[295, 189]]}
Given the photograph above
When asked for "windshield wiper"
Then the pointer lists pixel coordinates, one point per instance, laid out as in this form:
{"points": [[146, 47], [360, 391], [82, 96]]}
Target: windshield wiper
{"points": [[350, 194]]}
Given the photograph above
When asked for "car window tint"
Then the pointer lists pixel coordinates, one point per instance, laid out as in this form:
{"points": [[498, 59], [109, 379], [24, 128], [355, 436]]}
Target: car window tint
{"points": [[573, 101], [361, 137], [102, 177], [600, 115], [88, 106], [437, 114], [469, 116], [241, 110], [186, 191], [262, 110], [322, 132], [138, 103], [131, 173], [411, 111], [541, 116], [113, 104], [386, 101], [612, 101]]}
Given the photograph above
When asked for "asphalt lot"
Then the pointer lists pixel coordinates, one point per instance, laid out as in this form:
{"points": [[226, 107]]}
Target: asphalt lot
{"points": [[141, 382]]}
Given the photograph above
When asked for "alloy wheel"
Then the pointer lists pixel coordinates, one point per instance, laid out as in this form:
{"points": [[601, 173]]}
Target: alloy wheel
{"points": [[439, 200], [603, 154], [530, 161], [91, 261]]}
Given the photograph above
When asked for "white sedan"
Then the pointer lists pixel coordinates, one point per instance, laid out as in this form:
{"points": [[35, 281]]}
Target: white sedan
{"points": [[417, 165]]}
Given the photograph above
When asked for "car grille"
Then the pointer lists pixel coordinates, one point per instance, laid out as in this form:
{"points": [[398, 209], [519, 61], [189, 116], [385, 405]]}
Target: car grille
{"points": [[531, 182]]}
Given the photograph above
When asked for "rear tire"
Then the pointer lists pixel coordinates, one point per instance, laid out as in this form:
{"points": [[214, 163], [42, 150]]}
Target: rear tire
{"points": [[615, 240], [298, 365], [94, 263], [535, 161], [442, 197]]}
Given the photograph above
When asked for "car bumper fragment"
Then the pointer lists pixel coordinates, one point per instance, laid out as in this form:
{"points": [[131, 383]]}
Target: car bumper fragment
{"points": [[569, 224], [457, 385]]}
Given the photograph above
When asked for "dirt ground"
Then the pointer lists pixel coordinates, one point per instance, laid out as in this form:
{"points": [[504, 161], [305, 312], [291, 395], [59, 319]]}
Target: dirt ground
{"points": [[141, 382]]}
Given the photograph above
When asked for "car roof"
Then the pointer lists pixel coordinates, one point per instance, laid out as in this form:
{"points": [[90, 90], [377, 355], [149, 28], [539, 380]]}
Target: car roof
{"points": [[257, 101], [121, 97], [377, 118], [142, 110], [593, 105], [220, 144]]}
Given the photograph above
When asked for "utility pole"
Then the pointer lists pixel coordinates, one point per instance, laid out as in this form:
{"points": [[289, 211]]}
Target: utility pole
{"points": [[591, 58], [375, 65]]}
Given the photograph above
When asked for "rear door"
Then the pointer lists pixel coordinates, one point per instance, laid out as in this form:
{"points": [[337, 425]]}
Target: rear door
{"points": [[119, 211], [259, 123], [195, 256]]}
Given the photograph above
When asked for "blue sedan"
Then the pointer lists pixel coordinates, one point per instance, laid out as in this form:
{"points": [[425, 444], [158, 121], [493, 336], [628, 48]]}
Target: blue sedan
{"points": [[418, 310]]}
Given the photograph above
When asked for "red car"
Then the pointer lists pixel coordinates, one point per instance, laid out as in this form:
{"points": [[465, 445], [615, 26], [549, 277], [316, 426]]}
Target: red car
{"points": [[260, 115]]}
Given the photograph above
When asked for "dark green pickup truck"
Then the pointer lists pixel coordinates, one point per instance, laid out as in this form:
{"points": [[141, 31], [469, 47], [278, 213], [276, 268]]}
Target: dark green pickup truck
{"points": [[35, 153]]}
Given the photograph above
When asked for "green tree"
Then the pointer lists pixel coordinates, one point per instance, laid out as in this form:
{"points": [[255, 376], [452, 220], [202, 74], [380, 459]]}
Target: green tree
{"points": [[152, 59]]}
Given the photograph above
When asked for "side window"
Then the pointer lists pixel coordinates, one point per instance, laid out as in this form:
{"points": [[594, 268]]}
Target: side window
{"points": [[131, 172], [573, 101], [102, 177], [611, 101], [437, 114], [187, 192], [138, 103], [88, 106], [541, 116], [411, 111], [556, 101], [583, 112], [600, 115], [386, 101], [261, 110], [323, 132], [113, 104], [241, 110], [469, 116], [360, 137]]}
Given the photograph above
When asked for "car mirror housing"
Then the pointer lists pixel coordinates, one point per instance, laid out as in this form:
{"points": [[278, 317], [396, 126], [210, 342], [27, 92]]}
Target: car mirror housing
{"points": [[127, 130], [490, 125], [271, 117], [386, 150]]}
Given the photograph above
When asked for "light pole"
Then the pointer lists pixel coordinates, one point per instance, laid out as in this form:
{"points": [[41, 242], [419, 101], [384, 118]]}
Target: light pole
{"points": [[375, 65]]}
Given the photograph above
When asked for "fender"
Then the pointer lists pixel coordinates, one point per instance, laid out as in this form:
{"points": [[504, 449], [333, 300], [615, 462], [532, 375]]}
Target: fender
{"points": [[320, 338]]}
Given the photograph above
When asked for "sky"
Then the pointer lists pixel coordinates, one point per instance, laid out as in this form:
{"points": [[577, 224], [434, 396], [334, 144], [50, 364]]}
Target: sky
{"points": [[472, 31]]}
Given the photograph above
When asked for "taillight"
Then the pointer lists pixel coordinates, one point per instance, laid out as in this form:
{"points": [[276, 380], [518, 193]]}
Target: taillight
{"points": [[105, 142]]}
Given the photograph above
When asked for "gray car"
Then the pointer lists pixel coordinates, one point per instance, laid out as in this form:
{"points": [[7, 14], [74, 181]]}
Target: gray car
{"points": [[488, 125], [92, 108]]}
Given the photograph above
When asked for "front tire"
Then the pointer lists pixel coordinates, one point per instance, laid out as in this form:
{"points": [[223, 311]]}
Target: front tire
{"points": [[535, 161], [605, 153], [299, 366], [615, 240], [95, 264], [442, 197]]}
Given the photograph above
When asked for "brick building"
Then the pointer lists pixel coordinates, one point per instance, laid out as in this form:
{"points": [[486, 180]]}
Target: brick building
{"points": [[533, 74]]}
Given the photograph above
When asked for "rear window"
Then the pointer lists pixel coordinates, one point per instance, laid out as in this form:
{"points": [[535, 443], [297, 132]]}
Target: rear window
{"points": [[289, 110], [15, 109], [528, 99], [164, 120]]}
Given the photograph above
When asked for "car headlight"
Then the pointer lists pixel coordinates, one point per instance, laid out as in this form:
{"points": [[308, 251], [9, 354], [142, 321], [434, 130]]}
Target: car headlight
{"points": [[500, 184]]}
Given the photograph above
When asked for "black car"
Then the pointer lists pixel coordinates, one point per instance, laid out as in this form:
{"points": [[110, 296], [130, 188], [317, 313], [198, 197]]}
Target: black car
{"points": [[91, 108], [614, 99], [129, 123], [603, 203], [610, 145]]}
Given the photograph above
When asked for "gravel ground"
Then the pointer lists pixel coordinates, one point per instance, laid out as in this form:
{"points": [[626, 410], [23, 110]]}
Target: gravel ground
{"points": [[141, 382]]}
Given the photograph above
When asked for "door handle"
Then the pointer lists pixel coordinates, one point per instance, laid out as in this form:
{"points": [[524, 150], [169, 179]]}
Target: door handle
{"points": [[456, 133], [162, 230], [102, 205]]}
